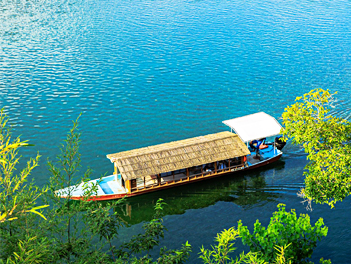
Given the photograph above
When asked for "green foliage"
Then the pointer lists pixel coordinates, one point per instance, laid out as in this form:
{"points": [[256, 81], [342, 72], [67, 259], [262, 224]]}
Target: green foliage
{"points": [[154, 230], [16, 197], [221, 252], [86, 231], [70, 238], [81, 231], [325, 261], [286, 240], [280, 257], [31, 250], [174, 256], [326, 140], [284, 229]]}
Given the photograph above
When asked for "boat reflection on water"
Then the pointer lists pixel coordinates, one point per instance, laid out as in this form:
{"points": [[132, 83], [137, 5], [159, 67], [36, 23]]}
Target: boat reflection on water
{"points": [[245, 189]]}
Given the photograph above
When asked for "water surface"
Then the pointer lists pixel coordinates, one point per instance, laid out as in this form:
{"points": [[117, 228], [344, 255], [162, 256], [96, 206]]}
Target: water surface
{"points": [[148, 72]]}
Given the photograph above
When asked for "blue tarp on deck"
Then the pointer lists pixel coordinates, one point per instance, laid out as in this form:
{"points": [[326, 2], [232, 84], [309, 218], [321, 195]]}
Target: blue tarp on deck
{"points": [[104, 186]]}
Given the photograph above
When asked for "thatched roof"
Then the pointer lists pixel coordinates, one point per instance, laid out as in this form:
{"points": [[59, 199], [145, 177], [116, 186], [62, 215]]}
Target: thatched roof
{"points": [[177, 155]]}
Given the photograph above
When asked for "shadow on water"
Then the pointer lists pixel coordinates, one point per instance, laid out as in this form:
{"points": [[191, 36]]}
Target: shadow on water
{"points": [[245, 189]]}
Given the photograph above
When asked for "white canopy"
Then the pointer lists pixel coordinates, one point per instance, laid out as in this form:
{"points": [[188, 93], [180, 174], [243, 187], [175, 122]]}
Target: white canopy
{"points": [[255, 126]]}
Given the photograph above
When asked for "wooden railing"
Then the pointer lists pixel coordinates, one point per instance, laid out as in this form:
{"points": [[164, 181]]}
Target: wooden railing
{"points": [[153, 182]]}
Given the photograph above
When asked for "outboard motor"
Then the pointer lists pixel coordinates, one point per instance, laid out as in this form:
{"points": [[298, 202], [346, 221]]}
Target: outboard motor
{"points": [[279, 143]]}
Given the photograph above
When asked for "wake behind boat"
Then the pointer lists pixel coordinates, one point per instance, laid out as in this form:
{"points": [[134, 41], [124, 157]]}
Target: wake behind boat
{"points": [[181, 162]]}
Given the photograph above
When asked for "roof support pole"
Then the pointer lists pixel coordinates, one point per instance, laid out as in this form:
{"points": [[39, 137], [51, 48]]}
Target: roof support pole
{"points": [[128, 186]]}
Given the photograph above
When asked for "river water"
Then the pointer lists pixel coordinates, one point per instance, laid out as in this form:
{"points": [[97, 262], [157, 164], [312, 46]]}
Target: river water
{"points": [[150, 71]]}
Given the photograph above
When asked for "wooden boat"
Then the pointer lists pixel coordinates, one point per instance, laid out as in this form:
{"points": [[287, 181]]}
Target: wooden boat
{"points": [[186, 161]]}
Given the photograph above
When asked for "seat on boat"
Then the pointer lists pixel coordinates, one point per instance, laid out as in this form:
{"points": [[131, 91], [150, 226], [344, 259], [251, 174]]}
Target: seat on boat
{"points": [[104, 184]]}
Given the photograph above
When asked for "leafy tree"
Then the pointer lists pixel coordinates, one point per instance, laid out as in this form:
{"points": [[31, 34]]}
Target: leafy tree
{"points": [[30, 250], [221, 252], [85, 231], [281, 258], [284, 229], [81, 231], [286, 240], [326, 140], [154, 230], [18, 198], [12, 201], [71, 239]]}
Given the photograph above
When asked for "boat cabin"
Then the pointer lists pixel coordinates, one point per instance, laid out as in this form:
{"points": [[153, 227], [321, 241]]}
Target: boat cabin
{"points": [[179, 162]]}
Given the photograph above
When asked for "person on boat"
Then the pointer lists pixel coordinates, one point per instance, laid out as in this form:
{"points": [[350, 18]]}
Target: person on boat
{"points": [[258, 144], [207, 168], [251, 144], [221, 165], [255, 145]]}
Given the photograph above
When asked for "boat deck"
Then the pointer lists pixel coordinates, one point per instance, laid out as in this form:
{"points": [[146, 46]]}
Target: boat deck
{"points": [[264, 154], [111, 185], [104, 186]]}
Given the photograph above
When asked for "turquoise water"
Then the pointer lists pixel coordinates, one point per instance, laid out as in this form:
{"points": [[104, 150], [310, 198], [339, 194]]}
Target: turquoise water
{"points": [[148, 72]]}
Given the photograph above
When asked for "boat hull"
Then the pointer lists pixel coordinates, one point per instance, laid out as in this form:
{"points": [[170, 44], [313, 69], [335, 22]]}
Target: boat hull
{"points": [[183, 182]]}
